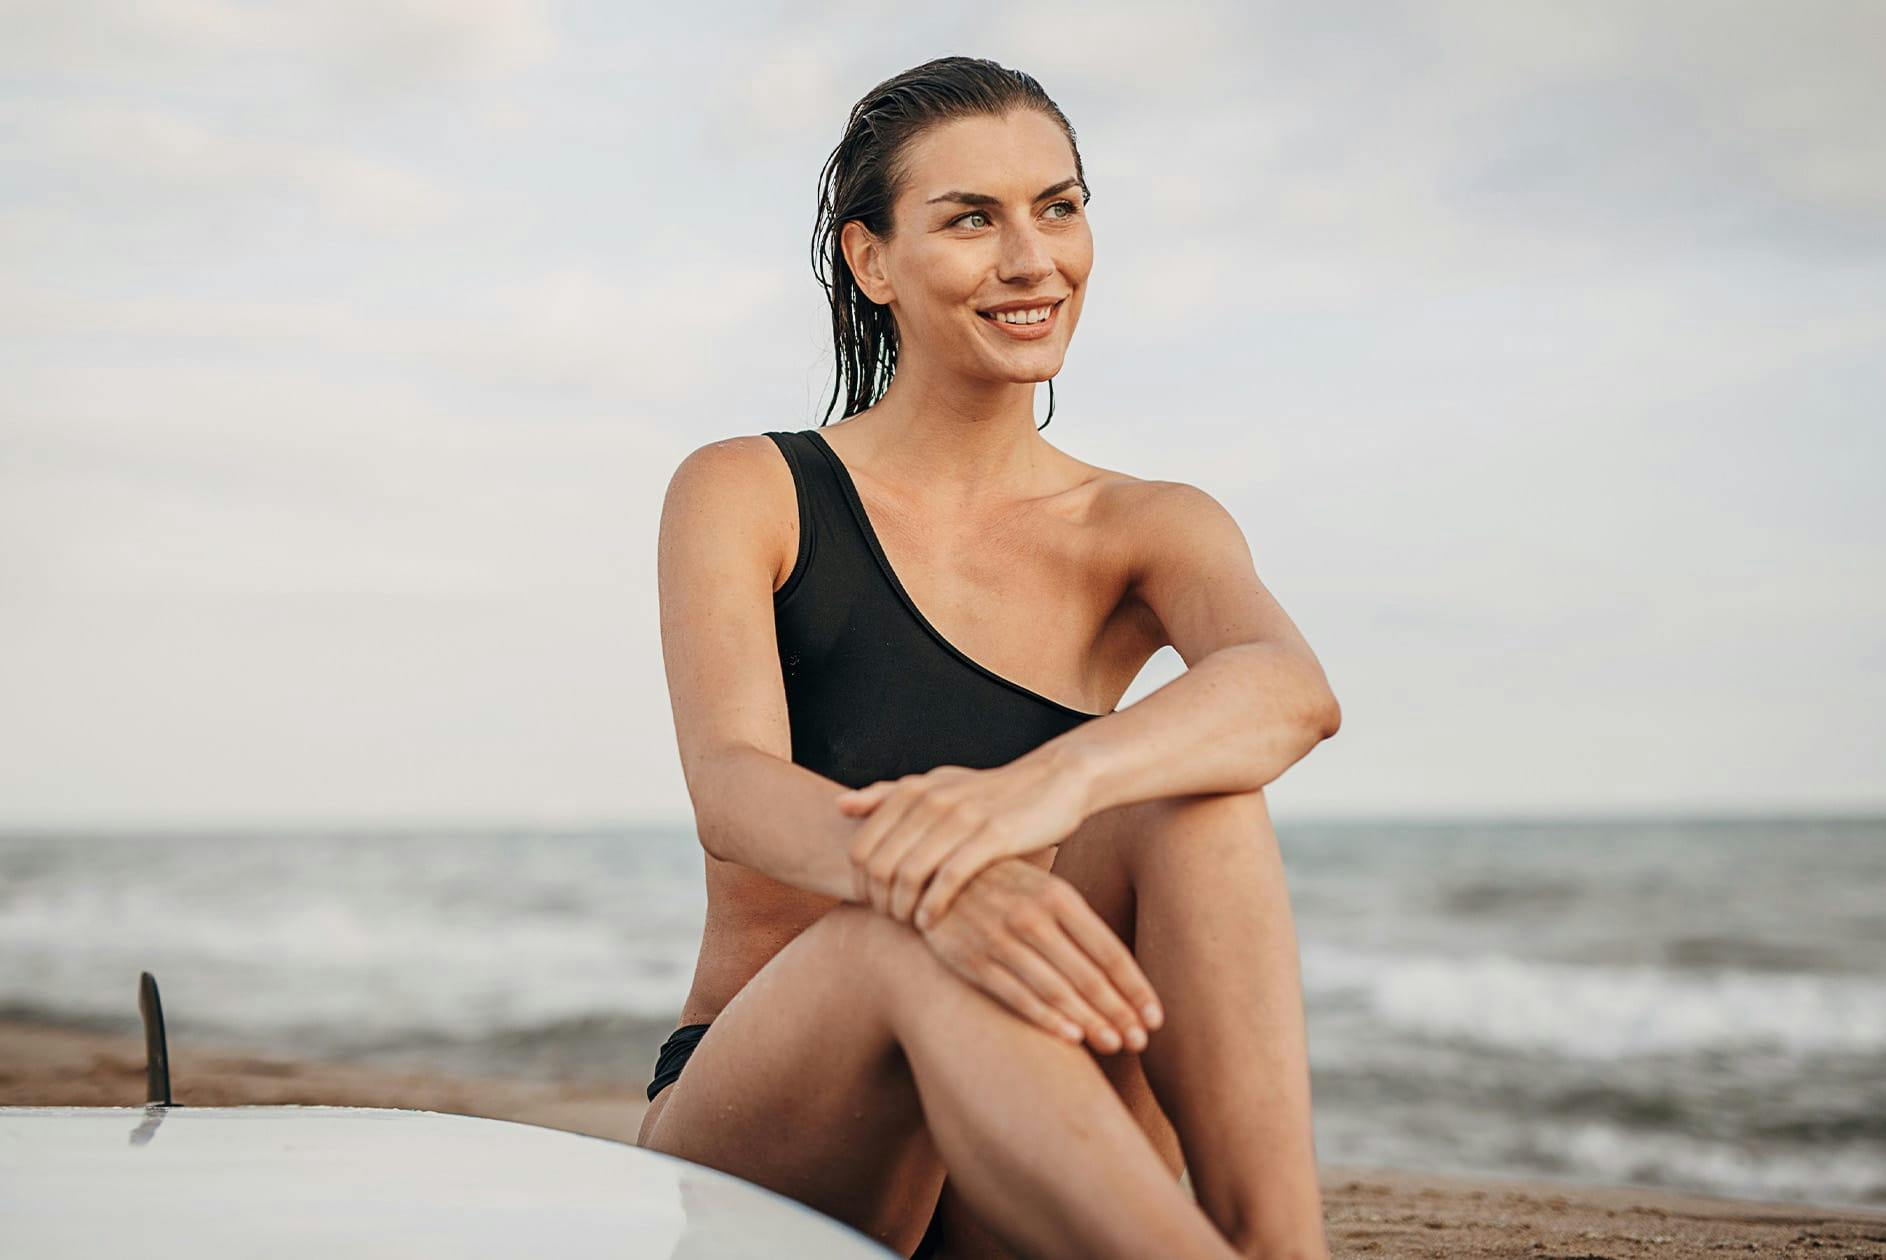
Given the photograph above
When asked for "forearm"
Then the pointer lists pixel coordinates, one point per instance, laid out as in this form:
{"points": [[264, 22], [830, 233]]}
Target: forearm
{"points": [[1232, 723], [775, 817]]}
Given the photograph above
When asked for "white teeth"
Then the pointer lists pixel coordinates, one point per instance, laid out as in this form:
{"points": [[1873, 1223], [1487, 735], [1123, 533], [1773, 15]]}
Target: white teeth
{"points": [[1034, 316]]}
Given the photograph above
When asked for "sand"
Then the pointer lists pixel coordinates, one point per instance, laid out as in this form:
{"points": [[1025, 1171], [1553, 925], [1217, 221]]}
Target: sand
{"points": [[1370, 1212]]}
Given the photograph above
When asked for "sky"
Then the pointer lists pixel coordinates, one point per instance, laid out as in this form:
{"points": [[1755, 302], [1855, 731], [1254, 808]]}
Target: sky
{"points": [[1539, 350]]}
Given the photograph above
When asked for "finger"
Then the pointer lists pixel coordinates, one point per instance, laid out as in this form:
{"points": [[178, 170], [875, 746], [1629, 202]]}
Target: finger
{"points": [[865, 839], [892, 855], [919, 864], [963, 865], [1020, 956], [863, 800], [1073, 962], [870, 835], [1004, 985], [1088, 930]]}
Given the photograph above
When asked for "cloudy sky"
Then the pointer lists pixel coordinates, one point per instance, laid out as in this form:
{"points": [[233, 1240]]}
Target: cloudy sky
{"points": [[348, 349]]}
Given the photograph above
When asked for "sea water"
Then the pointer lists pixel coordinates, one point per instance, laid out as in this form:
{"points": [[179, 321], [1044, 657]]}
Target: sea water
{"points": [[1696, 1004]]}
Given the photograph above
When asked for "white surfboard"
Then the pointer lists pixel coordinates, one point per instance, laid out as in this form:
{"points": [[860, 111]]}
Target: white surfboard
{"points": [[361, 1183]]}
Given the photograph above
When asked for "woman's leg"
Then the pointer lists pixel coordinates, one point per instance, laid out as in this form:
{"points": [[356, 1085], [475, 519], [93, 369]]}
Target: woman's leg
{"points": [[1215, 936], [1195, 886], [1091, 861], [856, 1068], [799, 1085]]}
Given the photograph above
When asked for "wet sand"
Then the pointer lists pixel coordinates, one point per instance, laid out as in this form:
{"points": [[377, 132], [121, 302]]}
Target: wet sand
{"points": [[1370, 1212]]}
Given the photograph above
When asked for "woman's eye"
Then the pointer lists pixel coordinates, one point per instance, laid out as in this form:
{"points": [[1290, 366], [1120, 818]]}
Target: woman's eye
{"points": [[963, 220]]}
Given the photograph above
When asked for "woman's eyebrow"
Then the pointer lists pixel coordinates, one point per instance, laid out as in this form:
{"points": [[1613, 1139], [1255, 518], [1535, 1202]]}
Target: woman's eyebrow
{"points": [[984, 199]]}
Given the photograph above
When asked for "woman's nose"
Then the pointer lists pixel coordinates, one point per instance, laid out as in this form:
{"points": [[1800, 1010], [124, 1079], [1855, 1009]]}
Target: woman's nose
{"points": [[1025, 255]]}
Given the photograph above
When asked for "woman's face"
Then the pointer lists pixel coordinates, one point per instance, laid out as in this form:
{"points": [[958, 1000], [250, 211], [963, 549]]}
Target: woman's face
{"points": [[990, 216]]}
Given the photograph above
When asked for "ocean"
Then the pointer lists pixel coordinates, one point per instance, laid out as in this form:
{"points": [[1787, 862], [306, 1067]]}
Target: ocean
{"points": [[1695, 1004]]}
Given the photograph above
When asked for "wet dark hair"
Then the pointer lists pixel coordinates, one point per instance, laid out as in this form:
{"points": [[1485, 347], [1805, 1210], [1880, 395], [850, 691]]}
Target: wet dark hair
{"points": [[862, 178]]}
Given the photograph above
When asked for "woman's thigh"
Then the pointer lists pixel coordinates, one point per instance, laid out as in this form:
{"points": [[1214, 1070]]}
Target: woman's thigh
{"points": [[800, 1084]]}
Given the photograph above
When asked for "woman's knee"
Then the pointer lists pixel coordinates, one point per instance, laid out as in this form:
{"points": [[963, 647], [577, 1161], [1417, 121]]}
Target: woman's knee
{"points": [[1204, 809], [864, 935], [1192, 826], [892, 966], [883, 957]]}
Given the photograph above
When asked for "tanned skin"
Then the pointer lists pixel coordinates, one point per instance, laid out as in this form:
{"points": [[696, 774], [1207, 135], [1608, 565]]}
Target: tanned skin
{"points": [[1104, 989]]}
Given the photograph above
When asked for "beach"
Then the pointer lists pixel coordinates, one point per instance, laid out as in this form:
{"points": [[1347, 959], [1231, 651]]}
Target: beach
{"points": [[1508, 1023], [1370, 1212]]}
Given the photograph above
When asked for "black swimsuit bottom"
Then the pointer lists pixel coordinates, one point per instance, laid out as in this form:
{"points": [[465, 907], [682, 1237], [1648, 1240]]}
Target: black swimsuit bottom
{"points": [[674, 1055]]}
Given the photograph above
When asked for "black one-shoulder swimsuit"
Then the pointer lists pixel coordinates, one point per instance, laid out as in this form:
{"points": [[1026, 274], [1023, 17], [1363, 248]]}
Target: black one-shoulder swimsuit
{"points": [[873, 690]]}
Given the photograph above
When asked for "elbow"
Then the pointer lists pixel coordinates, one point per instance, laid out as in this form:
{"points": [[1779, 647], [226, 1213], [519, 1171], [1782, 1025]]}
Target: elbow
{"points": [[1330, 715], [710, 823], [707, 831], [1318, 713]]}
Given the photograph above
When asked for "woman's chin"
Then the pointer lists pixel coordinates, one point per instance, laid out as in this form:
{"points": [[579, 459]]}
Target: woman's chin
{"points": [[1033, 366]]}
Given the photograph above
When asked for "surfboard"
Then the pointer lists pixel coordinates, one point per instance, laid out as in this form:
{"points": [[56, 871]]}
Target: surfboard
{"points": [[287, 1182]]}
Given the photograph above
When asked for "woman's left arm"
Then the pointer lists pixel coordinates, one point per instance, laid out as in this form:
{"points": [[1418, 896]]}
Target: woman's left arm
{"points": [[1251, 703], [1253, 699]]}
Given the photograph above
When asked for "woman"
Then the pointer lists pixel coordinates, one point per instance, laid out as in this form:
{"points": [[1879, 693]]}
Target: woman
{"points": [[1039, 958]]}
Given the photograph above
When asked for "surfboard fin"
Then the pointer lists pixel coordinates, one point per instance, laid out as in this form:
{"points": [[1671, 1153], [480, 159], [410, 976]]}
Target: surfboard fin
{"points": [[156, 1047]]}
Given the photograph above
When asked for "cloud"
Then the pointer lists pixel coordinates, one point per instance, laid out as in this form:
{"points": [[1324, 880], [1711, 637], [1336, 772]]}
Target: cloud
{"points": [[1342, 148], [101, 153], [375, 47], [1533, 345], [654, 340]]}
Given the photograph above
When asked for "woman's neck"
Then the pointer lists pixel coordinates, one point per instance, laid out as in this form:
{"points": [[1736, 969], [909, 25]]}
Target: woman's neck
{"points": [[942, 440]]}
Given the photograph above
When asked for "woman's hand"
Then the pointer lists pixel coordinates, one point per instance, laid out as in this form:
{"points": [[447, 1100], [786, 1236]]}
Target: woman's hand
{"points": [[924, 836], [1029, 939]]}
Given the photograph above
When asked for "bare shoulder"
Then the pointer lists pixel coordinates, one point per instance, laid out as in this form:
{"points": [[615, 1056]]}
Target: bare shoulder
{"points": [[730, 464], [1190, 569], [1151, 516], [739, 490]]}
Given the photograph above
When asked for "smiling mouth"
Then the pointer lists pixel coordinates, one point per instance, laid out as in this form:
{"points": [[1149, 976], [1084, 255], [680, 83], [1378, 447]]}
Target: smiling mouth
{"points": [[1028, 318]]}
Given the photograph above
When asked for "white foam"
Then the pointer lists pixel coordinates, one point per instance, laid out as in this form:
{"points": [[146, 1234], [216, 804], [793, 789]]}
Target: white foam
{"points": [[1602, 1012], [1845, 1172], [297, 960]]}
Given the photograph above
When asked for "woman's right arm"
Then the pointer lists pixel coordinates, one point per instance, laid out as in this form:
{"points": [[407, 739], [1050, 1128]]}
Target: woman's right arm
{"points": [[727, 541]]}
